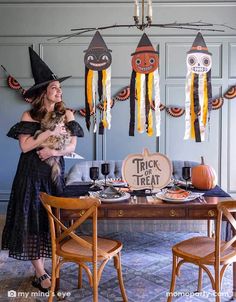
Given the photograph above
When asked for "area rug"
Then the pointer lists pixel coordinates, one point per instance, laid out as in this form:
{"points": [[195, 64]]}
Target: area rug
{"points": [[147, 265]]}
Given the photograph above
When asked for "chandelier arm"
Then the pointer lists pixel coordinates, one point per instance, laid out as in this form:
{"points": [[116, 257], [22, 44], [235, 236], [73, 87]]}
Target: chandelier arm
{"points": [[83, 28], [186, 27], [140, 27]]}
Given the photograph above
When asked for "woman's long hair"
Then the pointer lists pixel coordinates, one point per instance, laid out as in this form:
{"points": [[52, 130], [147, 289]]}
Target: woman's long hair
{"points": [[39, 110]]}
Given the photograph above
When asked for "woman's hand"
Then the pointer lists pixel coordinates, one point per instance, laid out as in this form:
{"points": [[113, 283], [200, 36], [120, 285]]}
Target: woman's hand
{"points": [[45, 153]]}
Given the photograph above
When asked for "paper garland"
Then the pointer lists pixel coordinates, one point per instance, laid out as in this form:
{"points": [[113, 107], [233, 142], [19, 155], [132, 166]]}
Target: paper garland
{"points": [[124, 93]]}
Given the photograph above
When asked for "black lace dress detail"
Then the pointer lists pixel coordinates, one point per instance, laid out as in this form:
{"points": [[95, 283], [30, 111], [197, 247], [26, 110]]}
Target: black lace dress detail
{"points": [[26, 232]]}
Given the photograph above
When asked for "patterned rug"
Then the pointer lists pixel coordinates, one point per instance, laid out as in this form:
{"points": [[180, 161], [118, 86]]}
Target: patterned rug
{"points": [[147, 265]]}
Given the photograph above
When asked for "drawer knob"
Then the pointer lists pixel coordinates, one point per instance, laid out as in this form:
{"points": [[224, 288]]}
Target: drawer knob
{"points": [[81, 213], [172, 213], [211, 213], [120, 213]]}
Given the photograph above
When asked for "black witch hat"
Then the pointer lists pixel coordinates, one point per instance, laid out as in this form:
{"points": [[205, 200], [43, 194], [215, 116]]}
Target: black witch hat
{"points": [[199, 45], [42, 74], [97, 42], [144, 46]]}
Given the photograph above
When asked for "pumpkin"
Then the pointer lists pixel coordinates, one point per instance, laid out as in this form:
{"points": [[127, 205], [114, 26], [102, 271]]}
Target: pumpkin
{"points": [[203, 176], [145, 61]]}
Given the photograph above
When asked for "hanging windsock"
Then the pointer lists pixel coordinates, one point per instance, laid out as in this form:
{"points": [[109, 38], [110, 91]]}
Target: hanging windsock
{"points": [[198, 91], [97, 61], [144, 88]]}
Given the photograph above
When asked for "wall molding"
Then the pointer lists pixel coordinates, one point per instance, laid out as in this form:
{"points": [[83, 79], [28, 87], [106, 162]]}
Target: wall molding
{"points": [[4, 195], [160, 3]]}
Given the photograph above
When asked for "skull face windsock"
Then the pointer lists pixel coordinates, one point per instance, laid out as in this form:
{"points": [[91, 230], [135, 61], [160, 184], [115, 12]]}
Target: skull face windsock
{"points": [[198, 90]]}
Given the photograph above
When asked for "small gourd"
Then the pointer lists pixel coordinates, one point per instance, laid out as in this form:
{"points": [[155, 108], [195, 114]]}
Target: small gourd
{"points": [[203, 176]]}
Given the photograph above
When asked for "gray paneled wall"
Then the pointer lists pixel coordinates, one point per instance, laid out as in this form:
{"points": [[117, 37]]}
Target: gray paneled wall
{"points": [[32, 23]]}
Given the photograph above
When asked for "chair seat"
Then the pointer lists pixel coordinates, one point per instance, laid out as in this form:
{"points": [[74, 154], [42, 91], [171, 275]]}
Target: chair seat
{"points": [[74, 249], [197, 248]]}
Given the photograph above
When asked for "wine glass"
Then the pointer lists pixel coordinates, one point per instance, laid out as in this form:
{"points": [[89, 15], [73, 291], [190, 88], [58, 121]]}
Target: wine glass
{"points": [[105, 170], [93, 174], [186, 174]]}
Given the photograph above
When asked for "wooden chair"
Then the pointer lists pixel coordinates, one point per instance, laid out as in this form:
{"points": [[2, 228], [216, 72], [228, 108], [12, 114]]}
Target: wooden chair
{"points": [[205, 251], [68, 246]]}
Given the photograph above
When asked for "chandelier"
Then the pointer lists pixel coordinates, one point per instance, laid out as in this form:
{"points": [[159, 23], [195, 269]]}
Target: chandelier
{"points": [[142, 22]]}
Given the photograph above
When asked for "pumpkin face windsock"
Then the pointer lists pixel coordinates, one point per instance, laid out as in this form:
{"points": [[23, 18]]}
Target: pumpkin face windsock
{"points": [[97, 61], [144, 86], [198, 90]]}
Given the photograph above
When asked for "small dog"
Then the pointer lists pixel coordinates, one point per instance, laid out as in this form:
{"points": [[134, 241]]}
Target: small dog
{"points": [[56, 142]]}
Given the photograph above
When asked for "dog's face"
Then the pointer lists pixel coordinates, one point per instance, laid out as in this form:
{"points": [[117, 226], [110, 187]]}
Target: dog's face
{"points": [[51, 120]]}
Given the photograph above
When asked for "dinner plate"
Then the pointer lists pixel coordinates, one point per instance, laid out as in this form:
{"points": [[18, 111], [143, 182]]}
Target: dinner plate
{"points": [[192, 196], [124, 197], [114, 182]]}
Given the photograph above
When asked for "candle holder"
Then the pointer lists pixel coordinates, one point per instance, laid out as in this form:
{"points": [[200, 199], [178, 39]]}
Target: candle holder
{"points": [[186, 174], [142, 25], [105, 171], [94, 174]]}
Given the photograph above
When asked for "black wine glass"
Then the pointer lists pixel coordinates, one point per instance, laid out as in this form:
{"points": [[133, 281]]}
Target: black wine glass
{"points": [[94, 174], [105, 171], [186, 174]]}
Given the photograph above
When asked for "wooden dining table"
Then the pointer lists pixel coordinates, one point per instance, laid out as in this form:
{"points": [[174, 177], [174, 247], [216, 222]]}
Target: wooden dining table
{"points": [[144, 207]]}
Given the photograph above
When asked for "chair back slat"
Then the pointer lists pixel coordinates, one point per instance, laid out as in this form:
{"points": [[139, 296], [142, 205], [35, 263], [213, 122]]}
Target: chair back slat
{"points": [[225, 210], [67, 203], [229, 216], [76, 224]]}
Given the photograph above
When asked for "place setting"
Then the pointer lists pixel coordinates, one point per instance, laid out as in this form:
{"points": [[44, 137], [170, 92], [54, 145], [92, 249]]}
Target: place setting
{"points": [[178, 191], [105, 189]]}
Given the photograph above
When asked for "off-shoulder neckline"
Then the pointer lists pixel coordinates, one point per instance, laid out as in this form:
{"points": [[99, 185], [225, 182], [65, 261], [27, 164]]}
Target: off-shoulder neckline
{"points": [[32, 122]]}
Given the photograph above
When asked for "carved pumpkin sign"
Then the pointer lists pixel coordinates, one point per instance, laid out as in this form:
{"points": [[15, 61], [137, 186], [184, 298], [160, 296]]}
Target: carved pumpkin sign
{"points": [[147, 171]]}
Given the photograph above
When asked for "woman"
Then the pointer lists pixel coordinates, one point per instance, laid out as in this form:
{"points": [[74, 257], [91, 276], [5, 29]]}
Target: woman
{"points": [[26, 233]]}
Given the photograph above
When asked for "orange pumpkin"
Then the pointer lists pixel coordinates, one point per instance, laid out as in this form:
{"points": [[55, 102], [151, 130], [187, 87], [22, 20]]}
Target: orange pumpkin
{"points": [[203, 176], [145, 61]]}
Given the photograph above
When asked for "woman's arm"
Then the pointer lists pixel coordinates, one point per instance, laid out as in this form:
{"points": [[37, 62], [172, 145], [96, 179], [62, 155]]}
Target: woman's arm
{"points": [[28, 142], [45, 153], [69, 116]]}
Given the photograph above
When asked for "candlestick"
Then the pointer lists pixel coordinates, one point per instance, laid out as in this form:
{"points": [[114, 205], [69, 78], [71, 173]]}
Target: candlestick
{"points": [[136, 8], [149, 10]]}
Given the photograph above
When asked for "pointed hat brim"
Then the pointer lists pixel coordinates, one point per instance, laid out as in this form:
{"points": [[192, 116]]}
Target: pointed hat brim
{"points": [[97, 43], [199, 45], [144, 46], [33, 91]]}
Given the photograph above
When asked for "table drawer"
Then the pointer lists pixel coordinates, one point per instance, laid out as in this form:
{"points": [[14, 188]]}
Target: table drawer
{"points": [[147, 213], [72, 215], [203, 213]]}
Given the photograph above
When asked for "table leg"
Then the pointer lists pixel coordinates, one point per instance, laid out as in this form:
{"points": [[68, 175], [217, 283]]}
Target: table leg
{"points": [[234, 280], [234, 270], [209, 228]]}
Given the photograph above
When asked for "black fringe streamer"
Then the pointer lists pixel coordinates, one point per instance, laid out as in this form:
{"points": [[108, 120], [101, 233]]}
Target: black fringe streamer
{"points": [[132, 104]]}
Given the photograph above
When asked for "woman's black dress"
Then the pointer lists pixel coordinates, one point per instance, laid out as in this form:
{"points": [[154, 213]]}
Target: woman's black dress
{"points": [[26, 232]]}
